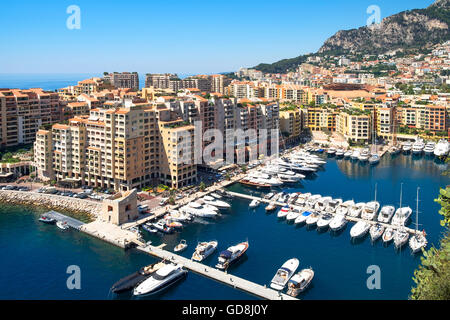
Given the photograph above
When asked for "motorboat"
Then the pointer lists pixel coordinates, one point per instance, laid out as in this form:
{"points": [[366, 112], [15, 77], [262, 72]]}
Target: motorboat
{"points": [[299, 282], [149, 228], [254, 203], [292, 197], [301, 199], [62, 225], [231, 255], [333, 205], [302, 218], [283, 274], [394, 150], [324, 220], [429, 148], [163, 278], [418, 240], [47, 219], [355, 155], [269, 196], [369, 212], [331, 151], [162, 227], [345, 207], [400, 238], [271, 207], [406, 147], [312, 200], [386, 214], [348, 154], [215, 195], [173, 224], [359, 229], [356, 209], [283, 212], [364, 155], [376, 231], [312, 218], [338, 222], [322, 203], [216, 202], [290, 178], [204, 250], [176, 215], [293, 214], [401, 216], [418, 146], [388, 235], [181, 246], [200, 210], [442, 148], [131, 281], [374, 159], [340, 152]]}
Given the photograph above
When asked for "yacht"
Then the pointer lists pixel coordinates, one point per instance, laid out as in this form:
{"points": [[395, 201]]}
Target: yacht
{"points": [[374, 159], [295, 212], [312, 200], [62, 225], [299, 282], [290, 178], [173, 224], [283, 212], [418, 240], [407, 146], [418, 146], [231, 255], [312, 218], [340, 152], [176, 215], [331, 151], [333, 205], [338, 222], [376, 231], [348, 154], [131, 281], [388, 235], [269, 196], [161, 226], [370, 210], [163, 278], [271, 207], [302, 218], [216, 202], [204, 250], [322, 203], [254, 203], [359, 229], [47, 219], [215, 195], [429, 148], [394, 150], [355, 155], [301, 199], [364, 156], [400, 238], [386, 214], [345, 207], [401, 216], [324, 220], [283, 274], [199, 210], [442, 148], [355, 210], [149, 228]]}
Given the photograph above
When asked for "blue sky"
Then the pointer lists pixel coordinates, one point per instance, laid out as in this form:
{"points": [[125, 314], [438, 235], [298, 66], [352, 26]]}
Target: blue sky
{"points": [[172, 36]]}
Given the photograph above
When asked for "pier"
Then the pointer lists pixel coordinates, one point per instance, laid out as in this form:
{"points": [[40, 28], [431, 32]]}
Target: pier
{"points": [[71, 222], [217, 275]]}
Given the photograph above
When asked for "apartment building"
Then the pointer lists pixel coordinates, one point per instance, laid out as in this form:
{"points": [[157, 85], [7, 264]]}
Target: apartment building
{"points": [[433, 118], [384, 121], [159, 80], [22, 112], [291, 122], [123, 80], [320, 118], [76, 108], [353, 126], [219, 82]]}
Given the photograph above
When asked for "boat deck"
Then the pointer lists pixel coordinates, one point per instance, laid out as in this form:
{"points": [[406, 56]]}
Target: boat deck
{"points": [[217, 275], [71, 222]]}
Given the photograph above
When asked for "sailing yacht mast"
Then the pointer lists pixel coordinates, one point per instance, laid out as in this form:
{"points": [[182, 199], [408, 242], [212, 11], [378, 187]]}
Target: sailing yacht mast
{"points": [[401, 190], [417, 211], [376, 184]]}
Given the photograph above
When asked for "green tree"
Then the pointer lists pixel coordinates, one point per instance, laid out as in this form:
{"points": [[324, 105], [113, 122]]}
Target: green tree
{"points": [[202, 186]]}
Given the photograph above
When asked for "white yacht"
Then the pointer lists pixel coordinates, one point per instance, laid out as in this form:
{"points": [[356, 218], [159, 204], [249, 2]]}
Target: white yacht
{"points": [[340, 152], [429, 148], [359, 229], [394, 150], [388, 235], [254, 203], [400, 238], [365, 155], [333, 205], [401, 216], [216, 202], [418, 240], [345, 207], [338, 222], [386, 214], [376, 231], [355, 210], [324, 220], [163, 278], [348, 154], [442, 148], [299, 282], [322, 203], [418, 146], [331, 151], [199, 210], [312, 200], [407, 146], [176, 215], [355, 155], [283, 212], [231, 255], [301, 199], [204, 250], [293, 214], [302, 218], [312, 218], [370, 210], [283, 274]]}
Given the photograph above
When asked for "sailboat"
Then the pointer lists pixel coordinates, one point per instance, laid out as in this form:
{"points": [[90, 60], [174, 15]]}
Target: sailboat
{"points": [[418, 240], [401, 214]]}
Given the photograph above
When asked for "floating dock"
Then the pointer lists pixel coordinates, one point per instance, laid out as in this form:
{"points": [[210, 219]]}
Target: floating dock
{"points": [[71, 222], [217, 275]]}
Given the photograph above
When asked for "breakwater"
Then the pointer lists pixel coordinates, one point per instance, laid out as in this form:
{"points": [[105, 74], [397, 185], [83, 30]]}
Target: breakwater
{"points": [[50, 201]]}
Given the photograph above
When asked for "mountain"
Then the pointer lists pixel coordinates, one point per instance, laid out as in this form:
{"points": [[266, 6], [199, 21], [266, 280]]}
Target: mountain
{"points": [[412, 29]]}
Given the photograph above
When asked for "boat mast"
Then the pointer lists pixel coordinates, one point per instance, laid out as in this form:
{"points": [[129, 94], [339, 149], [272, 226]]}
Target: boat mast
{"points": [[376, 184], [417, 211], [401, 190]]}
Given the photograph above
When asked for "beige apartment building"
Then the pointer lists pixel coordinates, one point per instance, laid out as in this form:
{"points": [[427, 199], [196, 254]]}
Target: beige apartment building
{"points": [[291, 122], [22, 112], [354, 127]]}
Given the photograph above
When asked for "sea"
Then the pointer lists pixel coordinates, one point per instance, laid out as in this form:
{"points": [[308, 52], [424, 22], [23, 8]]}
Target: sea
{"points": [[36, 256]]}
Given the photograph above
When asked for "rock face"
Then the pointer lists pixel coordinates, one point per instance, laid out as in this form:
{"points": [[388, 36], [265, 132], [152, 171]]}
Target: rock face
{"points": [[51, 201], [409, 29]]}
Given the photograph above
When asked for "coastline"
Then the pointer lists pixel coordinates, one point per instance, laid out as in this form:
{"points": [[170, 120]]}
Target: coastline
{"points": [[77, 207]]}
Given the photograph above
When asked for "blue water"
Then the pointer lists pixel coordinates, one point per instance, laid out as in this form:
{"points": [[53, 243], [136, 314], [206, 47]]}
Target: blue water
{"points": [[36, 256], [53, 81]]}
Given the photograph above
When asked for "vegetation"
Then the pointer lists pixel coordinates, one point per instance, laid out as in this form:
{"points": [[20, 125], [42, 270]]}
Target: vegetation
{"points": [[202, 186], [282, 66]]}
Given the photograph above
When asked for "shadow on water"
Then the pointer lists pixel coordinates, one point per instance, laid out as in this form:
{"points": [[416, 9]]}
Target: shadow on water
{"points": [[360, 240], [335, 234]]}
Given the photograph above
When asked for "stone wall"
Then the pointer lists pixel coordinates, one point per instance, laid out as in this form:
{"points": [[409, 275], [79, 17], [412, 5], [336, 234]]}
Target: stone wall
{"points": [[51, 201]]}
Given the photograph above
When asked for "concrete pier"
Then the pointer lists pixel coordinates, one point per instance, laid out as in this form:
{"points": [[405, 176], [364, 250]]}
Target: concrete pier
{"points": [[71, 222]]}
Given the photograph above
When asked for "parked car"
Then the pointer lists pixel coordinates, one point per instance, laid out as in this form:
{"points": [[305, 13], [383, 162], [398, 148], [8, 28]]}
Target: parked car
{"points": [[23, 188], [164, 201]]}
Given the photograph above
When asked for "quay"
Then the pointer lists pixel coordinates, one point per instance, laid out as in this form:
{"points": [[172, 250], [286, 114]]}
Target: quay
{"points": [[217, 275], [353, 219], [71, 222]]}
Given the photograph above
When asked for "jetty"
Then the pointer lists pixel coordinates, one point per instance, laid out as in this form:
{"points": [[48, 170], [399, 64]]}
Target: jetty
{"points": [[71, 222], [217, 275]]}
